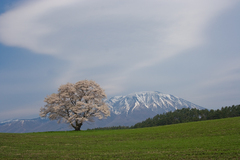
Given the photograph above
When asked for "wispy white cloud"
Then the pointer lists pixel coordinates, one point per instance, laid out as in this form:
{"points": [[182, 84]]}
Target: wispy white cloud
{"points": [[109, 40], [22, 25]]}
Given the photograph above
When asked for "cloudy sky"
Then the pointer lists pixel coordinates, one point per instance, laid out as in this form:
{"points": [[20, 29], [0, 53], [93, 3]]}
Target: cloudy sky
{"points": [[187, 48]]}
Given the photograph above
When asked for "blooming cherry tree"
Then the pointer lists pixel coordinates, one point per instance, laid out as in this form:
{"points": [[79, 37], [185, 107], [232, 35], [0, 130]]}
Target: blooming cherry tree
{"points": [[76, 103]]}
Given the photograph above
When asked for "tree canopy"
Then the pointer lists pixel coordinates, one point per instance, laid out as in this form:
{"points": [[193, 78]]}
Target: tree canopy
{"points": [[76, 103]]}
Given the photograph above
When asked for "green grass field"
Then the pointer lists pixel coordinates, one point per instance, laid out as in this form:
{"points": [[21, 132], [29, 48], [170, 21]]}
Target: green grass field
{"points": [[214, 139]]}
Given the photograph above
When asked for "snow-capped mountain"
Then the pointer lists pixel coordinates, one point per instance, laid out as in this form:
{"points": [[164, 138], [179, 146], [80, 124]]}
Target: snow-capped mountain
{"points": [[151, 100], [125, 110]]}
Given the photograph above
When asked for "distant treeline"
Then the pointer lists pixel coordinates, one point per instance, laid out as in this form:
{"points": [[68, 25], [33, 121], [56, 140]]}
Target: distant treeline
{"points": [[182, 116], [189, 115]]}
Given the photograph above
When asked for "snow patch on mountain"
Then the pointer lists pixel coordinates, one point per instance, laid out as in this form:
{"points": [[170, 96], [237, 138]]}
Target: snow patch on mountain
{"points": [[8, 120], [151, 100]]}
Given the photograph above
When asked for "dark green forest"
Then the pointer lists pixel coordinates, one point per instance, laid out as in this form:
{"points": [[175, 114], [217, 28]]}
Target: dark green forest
{"points": [[182, 116]]}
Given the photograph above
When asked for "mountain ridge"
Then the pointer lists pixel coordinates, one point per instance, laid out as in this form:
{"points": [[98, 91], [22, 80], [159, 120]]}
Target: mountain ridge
{"points": [[125, 110], [154, 100]]}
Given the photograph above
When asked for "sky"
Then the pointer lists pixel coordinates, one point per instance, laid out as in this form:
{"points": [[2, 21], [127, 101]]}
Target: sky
{"points": [[186, 48]]}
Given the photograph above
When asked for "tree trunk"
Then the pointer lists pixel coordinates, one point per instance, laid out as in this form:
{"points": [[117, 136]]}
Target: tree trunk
{"points": [[78, 127]]}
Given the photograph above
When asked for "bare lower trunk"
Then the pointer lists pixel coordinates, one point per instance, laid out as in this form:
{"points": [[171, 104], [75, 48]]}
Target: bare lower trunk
{"points": [[77, 127]]}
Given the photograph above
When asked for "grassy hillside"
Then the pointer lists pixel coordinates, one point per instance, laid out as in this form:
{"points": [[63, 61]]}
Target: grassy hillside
{"points": [[214, 139]]}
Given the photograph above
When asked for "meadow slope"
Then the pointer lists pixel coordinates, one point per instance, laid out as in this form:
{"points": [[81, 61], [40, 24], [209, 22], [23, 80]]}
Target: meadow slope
{"points": [[213, 139]]}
